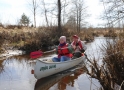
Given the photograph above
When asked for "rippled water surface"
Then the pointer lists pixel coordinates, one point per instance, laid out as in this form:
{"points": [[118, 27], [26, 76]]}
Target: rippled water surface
{"points": [[15, 74]]}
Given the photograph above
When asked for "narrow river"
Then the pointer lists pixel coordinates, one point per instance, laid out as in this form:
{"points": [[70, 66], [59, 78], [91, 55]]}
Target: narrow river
{"points": [[15, 73]]}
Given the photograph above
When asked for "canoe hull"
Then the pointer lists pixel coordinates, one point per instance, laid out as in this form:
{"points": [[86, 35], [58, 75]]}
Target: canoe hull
{"points": [[44, 69]]}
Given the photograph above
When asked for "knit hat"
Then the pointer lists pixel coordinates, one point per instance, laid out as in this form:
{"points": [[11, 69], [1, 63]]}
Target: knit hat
{"points": [[63, 38]]}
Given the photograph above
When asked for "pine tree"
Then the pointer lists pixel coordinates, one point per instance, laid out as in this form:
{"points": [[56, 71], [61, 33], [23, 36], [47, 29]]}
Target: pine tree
{"points": [[25, 21]]}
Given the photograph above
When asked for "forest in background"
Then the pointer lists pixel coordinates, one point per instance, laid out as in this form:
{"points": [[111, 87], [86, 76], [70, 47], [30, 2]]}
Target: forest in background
{"points": [[28, 37]]}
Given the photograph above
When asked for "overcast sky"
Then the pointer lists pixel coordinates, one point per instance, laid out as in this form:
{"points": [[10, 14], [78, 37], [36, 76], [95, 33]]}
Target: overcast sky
{"points": [[11, 11], [95, 8]]}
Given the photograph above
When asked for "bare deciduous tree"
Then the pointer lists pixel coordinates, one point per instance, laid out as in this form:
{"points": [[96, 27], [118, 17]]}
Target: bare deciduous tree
{"points": [[64, 10], [45, 12], [79, 11], [59, 16], [113, 12], [34, 4]]}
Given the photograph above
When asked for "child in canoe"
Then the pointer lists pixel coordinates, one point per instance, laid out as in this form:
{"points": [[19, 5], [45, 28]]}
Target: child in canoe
{"points": [[64, 50]]}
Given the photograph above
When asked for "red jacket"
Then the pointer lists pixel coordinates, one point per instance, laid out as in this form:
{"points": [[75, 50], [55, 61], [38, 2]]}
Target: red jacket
{"points": [[63, 51], [79, 44]]}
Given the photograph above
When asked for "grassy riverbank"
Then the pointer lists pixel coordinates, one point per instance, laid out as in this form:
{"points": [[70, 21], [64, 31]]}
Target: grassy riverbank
{"points": [[31, 39]]}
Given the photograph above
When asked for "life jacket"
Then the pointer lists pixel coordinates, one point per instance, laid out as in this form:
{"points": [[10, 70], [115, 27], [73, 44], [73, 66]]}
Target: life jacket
{"points": [[79, 43], [63, 51]]}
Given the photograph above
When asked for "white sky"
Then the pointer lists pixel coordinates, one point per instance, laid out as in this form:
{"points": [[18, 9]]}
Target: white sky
{"points": [[95, 8], [11, 11]]}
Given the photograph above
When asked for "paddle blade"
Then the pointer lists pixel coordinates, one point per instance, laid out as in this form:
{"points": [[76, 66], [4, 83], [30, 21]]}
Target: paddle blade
{"points": [[36, 54]]}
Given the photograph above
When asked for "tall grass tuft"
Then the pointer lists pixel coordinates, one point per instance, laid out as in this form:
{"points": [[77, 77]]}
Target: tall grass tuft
{"points": [[111, 72], [1, 42]]}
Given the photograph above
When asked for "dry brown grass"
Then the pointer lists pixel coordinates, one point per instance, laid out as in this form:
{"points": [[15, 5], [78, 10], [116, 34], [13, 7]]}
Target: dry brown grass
{"points": [[43, 37], [111, 71]]}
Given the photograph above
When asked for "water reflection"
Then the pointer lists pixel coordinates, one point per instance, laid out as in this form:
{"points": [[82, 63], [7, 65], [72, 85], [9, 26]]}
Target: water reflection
{"points": [[20, 60], [97, 49], [68, 80], [15, 73], [1, 66], [58, 81]]}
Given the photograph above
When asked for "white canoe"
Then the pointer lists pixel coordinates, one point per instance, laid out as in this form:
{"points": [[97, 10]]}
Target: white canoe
{"points": [[44, 69]]}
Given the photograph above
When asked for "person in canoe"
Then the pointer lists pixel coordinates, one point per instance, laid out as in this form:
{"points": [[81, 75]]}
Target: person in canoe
{"points": [[78, 46], [64, 50]]}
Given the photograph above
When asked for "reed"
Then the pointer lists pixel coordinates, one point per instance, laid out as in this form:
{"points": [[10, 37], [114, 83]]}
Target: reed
{"points": [[110, 73], [31, 39]]}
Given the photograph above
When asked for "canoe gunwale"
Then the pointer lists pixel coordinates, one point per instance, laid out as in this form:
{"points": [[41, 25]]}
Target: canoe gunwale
{"points": [[59, 62]]}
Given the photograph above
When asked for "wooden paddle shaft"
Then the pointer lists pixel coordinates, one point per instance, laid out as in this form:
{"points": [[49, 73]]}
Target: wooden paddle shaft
{"points": [[49, 51], [52, 50]]}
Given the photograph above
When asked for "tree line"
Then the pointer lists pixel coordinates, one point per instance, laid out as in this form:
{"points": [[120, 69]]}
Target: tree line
{"points": [[69, 13]]}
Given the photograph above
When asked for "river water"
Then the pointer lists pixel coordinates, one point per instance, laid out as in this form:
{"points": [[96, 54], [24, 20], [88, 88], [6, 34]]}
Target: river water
{"points": [[15, 73]]}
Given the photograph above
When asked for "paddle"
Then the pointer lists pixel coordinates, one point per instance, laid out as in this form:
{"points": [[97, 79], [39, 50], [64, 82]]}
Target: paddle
{"points": [[37, 54], [87, 58]]}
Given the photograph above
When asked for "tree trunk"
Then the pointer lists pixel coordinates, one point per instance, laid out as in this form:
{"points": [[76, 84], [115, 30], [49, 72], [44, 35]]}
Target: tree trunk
{"points": [[45, 13], [34, 11], [79, 20], [59, 17], [34, 18], [77, 16]]}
